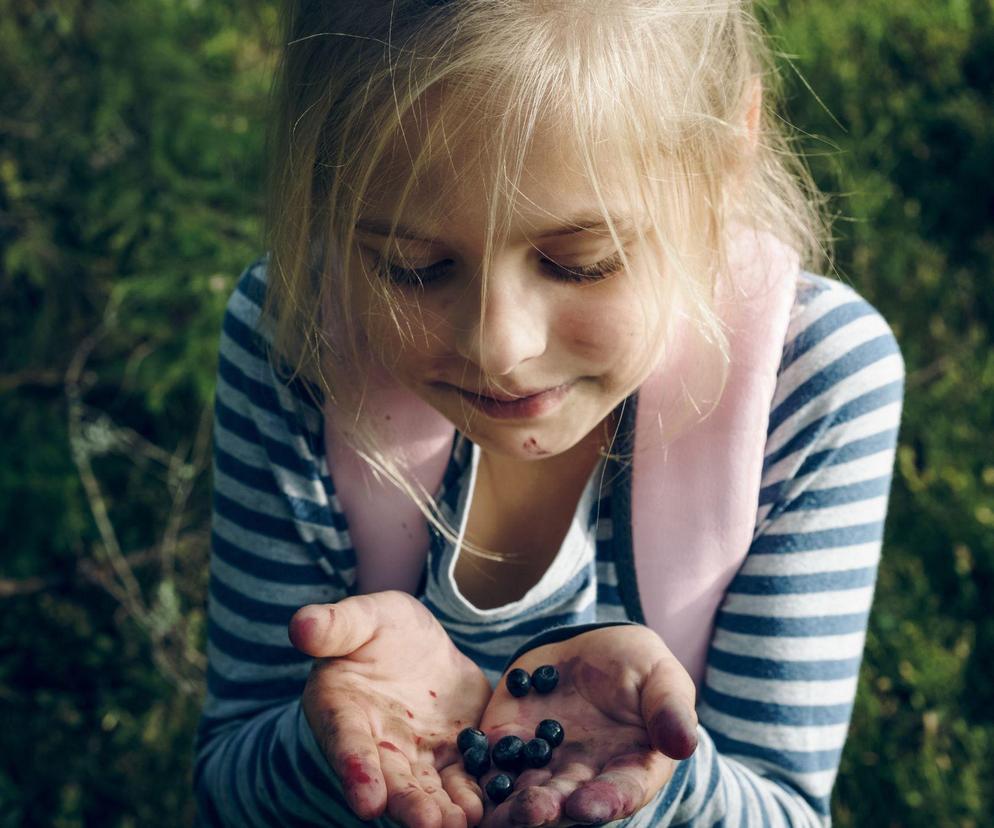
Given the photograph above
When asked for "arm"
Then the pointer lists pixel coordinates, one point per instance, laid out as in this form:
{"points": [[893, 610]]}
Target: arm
{"points": [[257, 762], [364, 719], [784, 659]]}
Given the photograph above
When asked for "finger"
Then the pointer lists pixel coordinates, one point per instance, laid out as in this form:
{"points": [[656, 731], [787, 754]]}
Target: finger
{"points": [[431, 783], [667, 699], [464, 791], [539, 804], [345, 737], [332, 630], [625, 785], [529, 778], [407, 802], [533, 776]]}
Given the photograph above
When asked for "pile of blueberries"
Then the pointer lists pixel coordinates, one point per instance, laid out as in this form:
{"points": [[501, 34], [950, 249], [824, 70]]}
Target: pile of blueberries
{"points": [[512, 753]]}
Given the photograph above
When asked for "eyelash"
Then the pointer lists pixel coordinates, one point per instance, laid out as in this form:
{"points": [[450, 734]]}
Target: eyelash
{"points": [[423, 276]]}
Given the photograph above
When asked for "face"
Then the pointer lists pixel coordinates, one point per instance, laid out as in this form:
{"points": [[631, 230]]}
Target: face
{"points": [[558, 349]]}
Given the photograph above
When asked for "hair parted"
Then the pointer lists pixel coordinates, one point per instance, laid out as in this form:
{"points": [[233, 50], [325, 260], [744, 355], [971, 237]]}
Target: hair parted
{"points": [[658, 92]]}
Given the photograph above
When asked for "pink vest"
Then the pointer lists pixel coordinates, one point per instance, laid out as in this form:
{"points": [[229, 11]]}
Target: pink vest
{"points": [[694, 504]]}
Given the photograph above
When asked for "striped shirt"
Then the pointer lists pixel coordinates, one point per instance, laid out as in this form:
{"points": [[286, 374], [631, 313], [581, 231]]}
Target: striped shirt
{"points": [[783, 663]]}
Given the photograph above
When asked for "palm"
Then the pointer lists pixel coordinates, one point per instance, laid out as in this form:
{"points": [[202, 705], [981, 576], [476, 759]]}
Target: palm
{"points": [[388, 712], [607, 767]]}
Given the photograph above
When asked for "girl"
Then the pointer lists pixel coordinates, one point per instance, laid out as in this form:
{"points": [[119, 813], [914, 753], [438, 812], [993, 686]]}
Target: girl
{"points": [[536, 371]]}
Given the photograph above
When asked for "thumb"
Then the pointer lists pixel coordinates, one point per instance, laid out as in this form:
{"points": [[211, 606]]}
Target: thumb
{"points": [[331, 630], [668, 709]]}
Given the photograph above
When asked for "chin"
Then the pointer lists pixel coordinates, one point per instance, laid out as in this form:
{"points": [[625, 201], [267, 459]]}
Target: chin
{"points": [[524, 442]]}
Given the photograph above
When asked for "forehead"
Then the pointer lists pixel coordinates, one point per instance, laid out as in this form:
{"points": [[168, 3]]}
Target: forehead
{"points": [[459, 172]]}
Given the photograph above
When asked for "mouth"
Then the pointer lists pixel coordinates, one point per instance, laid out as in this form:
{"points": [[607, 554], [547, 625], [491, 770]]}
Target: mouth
{"points": [[506, 397], [527, 405]]}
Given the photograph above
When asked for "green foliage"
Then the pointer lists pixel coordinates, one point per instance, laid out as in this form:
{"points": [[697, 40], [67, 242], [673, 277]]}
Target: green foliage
{"points": [[130, 197], [130, 161], [907, 143]]}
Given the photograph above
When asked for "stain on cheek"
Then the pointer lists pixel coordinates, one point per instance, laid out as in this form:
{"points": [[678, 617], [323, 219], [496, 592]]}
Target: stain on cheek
{"points": [[354, 773]]}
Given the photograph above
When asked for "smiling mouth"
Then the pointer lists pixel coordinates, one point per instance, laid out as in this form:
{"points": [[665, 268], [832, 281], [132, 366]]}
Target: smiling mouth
{"points": [[524, 407], [504, 398]]}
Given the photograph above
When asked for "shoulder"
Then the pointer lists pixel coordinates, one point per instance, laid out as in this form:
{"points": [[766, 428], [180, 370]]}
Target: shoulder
{"points": [[830, 319], [244, 343], [247, 346], [841, 370], [244, 305], [244, 330], [837, 346]]}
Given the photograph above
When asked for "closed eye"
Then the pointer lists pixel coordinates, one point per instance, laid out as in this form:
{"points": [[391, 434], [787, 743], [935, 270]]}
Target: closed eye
{"points": [[423, 276], [588, 273]]}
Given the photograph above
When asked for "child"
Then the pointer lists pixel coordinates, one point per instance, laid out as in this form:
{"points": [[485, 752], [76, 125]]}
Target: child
{"points": [[532, 374]]}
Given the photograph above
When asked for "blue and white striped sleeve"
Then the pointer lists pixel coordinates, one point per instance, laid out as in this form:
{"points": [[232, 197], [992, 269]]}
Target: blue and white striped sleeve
{"points": [[272, 551], [783, 664]]}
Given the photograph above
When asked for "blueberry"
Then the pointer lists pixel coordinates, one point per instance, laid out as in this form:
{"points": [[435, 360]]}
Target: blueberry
{"points": [[518, 682], [545, 679], [499, 788], [537, 753], [507, 753], [476, 760], [471, 737], [551, 731]]}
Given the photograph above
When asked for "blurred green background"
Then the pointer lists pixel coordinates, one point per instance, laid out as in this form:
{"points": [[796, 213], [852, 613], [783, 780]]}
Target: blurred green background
{"points": [[130, 196]]}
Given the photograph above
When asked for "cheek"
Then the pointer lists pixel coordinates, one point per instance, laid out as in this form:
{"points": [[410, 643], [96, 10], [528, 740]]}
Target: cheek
{"points": [[411, 341], [603, 331]]}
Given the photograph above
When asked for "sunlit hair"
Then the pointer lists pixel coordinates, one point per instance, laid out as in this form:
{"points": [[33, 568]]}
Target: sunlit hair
{"points": [[654, 94]]}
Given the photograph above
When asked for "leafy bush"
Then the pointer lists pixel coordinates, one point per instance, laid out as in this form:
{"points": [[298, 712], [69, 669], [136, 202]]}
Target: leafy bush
{"points": [[130, 159], [908, 142]]}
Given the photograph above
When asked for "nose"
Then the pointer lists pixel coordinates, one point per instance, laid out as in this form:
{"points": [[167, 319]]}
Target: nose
{"points": [[512, 329]]}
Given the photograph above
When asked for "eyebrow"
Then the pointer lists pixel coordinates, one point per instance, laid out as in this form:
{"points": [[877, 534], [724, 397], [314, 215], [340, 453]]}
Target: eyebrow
{"points": [[577, 224]]}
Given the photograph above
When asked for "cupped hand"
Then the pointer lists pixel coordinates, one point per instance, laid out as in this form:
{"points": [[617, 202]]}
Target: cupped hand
{"points": [[386, 698], [627, 708]]}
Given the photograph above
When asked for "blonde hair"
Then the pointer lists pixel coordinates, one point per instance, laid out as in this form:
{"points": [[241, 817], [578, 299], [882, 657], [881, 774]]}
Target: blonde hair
{"points": [[657, 90]]}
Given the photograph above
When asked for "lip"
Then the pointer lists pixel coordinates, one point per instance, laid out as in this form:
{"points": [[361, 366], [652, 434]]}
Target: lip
{"points": [[526, 406]]}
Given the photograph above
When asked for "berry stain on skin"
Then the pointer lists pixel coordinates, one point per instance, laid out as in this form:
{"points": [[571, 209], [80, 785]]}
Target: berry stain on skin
{"points": [[410, 715], [602, 802], [535, 806], [301, 631], [433, 694], [389, 746], [592, 679], [532, 447], [354, 773]]}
